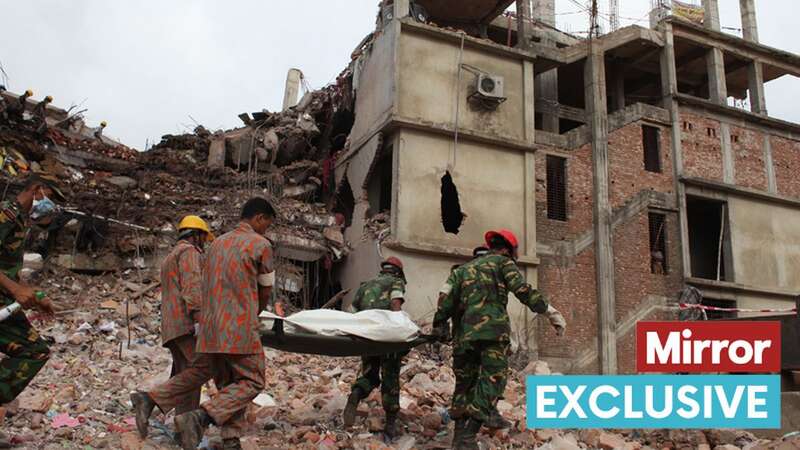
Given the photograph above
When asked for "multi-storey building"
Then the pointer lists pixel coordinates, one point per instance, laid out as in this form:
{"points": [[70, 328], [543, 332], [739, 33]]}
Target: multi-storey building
{"points": [[623, 162]]}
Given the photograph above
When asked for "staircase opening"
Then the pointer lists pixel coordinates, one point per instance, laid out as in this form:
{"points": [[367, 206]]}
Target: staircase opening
{"points": [[658, 243], [452, 216]]}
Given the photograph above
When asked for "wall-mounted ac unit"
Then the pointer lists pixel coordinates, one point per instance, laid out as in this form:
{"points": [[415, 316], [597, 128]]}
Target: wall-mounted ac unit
{"points": [[489, 91]]}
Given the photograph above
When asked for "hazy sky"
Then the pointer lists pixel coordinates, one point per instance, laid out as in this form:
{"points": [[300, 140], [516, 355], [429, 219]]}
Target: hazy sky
{"points": [[147, 66]]}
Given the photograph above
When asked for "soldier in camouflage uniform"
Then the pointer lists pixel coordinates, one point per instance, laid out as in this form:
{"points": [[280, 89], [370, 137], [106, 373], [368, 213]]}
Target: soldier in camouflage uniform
{"points": [[387, 291], [27, 352], [476, 299], [464, 374]]}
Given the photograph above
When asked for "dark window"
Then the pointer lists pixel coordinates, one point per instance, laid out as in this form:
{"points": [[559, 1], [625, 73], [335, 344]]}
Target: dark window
{"points": [[709, 239], [658, 243], [652, 148], [556, 188], [734, 138], [711, 132], [719, 315]]}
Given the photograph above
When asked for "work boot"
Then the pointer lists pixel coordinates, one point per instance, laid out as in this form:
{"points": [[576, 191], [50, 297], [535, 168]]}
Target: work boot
{"points": [[231, 444], [349, 415], [191, 426], [458, 432], [142, 406], [496, 421], [392, 429], [5, 441], [469, 438]]}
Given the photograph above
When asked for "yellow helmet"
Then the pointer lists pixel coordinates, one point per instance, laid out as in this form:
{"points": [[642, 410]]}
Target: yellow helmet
{"points": [[48, 99], [196, 223], [103, 124], [29, 93]]}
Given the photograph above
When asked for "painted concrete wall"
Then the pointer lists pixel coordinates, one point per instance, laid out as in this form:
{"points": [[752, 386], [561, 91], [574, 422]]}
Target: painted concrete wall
{"points": [[428, 71], [766, 244], [490, 181], [376, 85]]}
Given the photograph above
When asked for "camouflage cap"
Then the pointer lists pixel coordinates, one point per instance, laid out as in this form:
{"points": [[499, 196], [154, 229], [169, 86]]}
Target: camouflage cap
{"points": [[51, 182]]}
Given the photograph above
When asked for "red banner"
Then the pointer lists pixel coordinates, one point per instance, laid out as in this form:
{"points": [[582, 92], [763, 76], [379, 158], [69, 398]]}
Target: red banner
{"points": [[708, 347]]}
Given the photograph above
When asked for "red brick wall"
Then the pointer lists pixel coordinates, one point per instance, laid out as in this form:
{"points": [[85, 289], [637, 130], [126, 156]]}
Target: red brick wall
{"points": [[626, 164], [579, 195], [570, 283], [748, 150], [786, 159], [634, 281], [702, 154]]}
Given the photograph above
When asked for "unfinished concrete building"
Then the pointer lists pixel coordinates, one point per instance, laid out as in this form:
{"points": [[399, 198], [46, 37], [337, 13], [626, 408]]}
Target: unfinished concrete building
{"points": [[618, 160]]}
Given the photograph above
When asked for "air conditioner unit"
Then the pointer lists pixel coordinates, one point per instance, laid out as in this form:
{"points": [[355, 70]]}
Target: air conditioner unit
{"points": [[490, 86]]}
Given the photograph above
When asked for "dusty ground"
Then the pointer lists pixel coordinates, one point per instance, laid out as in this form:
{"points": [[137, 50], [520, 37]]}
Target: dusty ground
{"points": [[80, 399]]}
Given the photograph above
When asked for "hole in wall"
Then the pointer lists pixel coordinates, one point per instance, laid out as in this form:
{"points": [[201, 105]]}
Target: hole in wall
{"points": [[452, 216]]}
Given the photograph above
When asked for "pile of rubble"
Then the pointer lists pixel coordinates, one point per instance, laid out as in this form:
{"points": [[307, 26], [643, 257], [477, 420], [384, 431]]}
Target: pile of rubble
{"points": [[123, 204], [106, 343]]}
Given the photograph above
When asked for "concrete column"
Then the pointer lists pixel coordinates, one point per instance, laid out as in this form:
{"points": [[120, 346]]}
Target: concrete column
{"points": [[749, 24], [402, 8], [597, 116], [769, 166], [755, 79], [547, 82], [669, 81], [292, 88], [545, 10], [618, 89], [711, 8], [728, 158], [524, 24], [717, 84]]}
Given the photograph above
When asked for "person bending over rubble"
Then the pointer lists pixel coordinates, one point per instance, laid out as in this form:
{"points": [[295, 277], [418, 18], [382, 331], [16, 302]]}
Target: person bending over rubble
{"points": [[27, 352], [476, 301], [16, 110], [181, 297], [237, 284], [386, 291]]}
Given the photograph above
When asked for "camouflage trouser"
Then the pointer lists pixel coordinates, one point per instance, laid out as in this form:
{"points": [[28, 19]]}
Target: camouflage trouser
{"points": [[383, 371], [481, 370], [181, 398], [239, 378], [27, 353]]}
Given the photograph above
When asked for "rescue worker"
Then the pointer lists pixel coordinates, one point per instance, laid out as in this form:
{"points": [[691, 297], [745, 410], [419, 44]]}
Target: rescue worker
{"points": [[181, 297], [16, 110], [98, 133], [40, 114], [387, 292], [476, 300], [238, 277], [27, 352]]}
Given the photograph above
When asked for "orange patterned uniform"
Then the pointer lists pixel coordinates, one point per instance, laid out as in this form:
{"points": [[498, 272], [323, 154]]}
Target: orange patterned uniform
{"points": [[230, 307], [181, 288]]}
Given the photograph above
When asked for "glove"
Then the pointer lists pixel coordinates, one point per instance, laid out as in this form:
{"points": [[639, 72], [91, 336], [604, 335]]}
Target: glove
{"points": [[557, 320], [196, 329], [441, 332]]}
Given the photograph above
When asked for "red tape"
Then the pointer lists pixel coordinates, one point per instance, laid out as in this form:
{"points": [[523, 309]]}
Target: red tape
{"points": [[717, 308]]}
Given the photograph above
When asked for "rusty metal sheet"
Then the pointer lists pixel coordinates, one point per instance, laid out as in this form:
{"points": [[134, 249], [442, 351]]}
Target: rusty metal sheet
{"points": [[482, 11]]}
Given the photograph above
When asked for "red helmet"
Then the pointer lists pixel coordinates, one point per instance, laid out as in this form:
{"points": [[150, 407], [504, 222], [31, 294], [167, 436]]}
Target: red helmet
{"points": [[393, 261], [507, 236]]}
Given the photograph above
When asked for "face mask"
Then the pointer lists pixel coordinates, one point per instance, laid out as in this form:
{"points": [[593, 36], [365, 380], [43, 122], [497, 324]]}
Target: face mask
{"points": [[42, 208]]}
